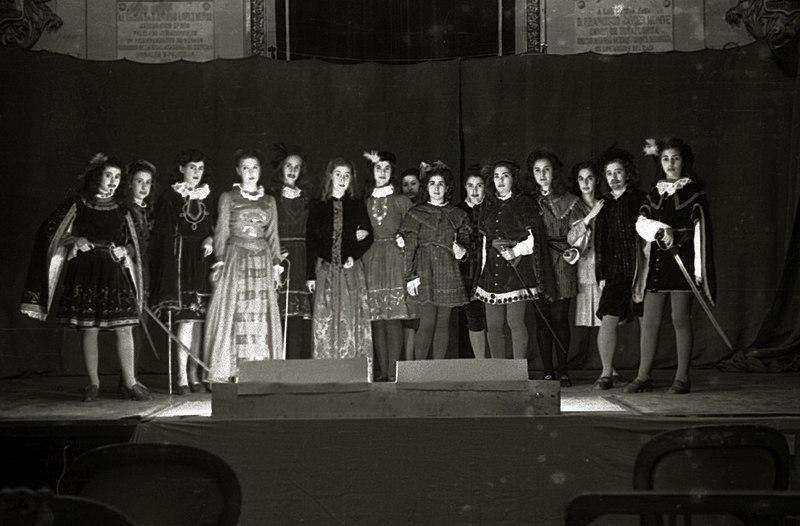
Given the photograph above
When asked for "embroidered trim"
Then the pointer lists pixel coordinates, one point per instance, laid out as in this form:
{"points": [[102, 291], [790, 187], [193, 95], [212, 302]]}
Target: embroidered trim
{"points": [[250, 196]]}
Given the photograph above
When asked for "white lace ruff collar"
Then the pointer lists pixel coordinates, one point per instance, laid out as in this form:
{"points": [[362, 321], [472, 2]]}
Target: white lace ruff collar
{"points": [[198, 192], [252, 196], [383, 191], [291, 193], [668, 187]]}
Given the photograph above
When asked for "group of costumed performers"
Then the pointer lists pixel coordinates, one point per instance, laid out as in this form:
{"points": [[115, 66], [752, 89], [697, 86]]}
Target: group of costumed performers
{"points": [[269, 274]]}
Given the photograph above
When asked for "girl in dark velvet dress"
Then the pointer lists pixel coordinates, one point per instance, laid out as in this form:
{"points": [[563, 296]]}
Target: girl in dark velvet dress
{"points": [[674, 215], [180, 251], [93, 239]]}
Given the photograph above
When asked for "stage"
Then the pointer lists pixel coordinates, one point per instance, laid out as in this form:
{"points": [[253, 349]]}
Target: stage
{"points": [[436, 470]]}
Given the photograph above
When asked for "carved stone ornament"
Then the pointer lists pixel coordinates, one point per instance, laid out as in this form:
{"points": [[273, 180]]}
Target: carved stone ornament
{"points": [[533, 27], [22, 22], [777, 21]]}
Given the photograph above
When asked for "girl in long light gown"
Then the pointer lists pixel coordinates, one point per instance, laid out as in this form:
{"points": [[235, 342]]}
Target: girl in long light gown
{"points": [[243, 320]]}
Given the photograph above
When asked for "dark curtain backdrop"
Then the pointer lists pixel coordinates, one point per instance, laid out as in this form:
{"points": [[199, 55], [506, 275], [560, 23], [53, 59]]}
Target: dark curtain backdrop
{"points": [[734, 107], [57, 111]]}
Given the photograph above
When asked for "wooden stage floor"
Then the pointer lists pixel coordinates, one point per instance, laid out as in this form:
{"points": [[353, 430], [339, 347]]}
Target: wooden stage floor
{"points": [[714, 393]]}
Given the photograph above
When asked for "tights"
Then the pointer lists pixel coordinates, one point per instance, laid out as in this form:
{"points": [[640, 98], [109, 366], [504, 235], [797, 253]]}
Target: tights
{"points": [[681, 303], [387, 338], [496, 318], [124, 351], [557, 315], [434, 326]]}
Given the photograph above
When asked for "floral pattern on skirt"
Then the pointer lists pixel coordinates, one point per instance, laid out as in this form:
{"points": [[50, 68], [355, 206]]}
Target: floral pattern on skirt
{"points": [[341, 315], [384, 269]]}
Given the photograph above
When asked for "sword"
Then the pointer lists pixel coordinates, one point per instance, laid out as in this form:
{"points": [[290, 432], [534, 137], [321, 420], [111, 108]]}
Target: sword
{"points": [[674, 251], [175, 338]]}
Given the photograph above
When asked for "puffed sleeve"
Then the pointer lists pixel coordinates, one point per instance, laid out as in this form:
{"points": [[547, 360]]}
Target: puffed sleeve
{"points": [[222, 230], [409, 229]]}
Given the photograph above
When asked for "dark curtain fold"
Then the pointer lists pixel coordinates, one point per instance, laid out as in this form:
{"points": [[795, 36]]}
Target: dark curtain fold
{"points": [[733, 106]]}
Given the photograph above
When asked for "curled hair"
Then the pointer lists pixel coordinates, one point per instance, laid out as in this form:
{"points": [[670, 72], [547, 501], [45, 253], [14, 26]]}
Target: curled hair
{"points": [[275, 186], [252, 153], [617, 155], [429, 170], [585, 165], [487, 171], [327, 184], [141, 165], [669, 143], [89, 180], [185, 157], [559, 185]]}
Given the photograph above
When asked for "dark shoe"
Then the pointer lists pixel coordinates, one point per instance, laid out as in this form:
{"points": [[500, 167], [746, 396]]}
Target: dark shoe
{"points": [[549, 377], [137, 392], [618, 379], [680, 387], [91, 393], [639, 386], [182, 390], [197, 387], [603, 383], [565, 381]]}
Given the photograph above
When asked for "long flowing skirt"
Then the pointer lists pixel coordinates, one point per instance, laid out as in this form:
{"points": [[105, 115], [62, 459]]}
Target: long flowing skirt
{"points": [[341, 315], [243, 320]]}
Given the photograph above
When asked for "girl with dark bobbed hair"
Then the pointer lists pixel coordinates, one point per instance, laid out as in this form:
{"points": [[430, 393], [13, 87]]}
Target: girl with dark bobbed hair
{"points": [[93, 238], [559, 210], [180, 251], [674, 219], [436, 234]]}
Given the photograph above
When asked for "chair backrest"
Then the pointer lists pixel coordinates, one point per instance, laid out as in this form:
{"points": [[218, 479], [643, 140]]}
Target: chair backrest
{"points": [[27, 507], [723, 457], [159, 484], [747, 508]]}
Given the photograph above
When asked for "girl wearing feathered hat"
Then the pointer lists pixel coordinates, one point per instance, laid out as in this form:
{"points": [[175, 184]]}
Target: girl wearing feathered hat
{"points": [[92, 240], [436, 235], [383, 262], [674, 220]]}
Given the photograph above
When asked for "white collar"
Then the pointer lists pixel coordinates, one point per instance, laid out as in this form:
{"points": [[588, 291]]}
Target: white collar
{"points": [[438, 204], [471, 203], [140, 202], [665, 186], [505, 197], [383, 191], [291, 193], [102, 195], [251, 196], [198, 192]]}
